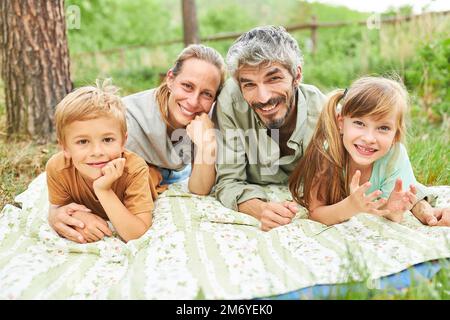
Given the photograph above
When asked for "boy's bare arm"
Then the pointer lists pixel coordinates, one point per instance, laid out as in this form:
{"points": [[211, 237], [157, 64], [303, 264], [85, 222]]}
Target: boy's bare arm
{"points": [[129, 226]]}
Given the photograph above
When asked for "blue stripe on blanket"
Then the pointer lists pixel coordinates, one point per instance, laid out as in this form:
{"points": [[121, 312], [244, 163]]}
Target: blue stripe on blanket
{"points": [[387, 284]]}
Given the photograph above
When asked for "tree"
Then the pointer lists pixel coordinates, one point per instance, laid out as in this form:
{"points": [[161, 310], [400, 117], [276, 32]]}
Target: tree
{"points": [[190, 25], [35, 64]]}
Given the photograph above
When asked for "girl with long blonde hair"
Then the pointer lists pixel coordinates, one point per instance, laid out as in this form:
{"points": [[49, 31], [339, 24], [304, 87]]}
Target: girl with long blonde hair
{"points": [[356, 161]]}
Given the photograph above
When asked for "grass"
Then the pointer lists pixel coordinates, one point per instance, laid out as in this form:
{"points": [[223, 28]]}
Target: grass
{"points": [[428, 149], [438, 288], [20, 162], [420, 288]]}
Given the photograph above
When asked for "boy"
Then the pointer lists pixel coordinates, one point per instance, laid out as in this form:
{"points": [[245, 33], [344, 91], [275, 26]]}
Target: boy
{"points": [[94, 178]]}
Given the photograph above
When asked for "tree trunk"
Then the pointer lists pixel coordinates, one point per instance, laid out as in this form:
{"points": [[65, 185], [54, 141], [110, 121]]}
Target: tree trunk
{"points": [[35, 64], [190, 25]]}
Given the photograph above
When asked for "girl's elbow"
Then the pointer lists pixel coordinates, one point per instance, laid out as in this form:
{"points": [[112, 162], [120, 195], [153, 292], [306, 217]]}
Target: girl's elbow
{"points": [[312, 215], [315, 216]]}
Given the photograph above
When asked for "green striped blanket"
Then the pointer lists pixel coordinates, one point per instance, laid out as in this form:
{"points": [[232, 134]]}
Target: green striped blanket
{"points": [[196, 248]]}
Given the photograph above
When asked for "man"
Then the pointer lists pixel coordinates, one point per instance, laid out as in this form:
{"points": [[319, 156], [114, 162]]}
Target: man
{"points": [[266, 118]]}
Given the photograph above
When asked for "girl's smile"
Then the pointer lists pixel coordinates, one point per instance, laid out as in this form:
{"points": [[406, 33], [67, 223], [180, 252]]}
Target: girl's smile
{"points": [[365, 151], [367, 139]]}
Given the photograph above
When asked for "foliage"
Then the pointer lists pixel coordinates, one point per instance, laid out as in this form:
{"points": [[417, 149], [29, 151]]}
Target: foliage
{"points": [[429, 74], [116, 23]]}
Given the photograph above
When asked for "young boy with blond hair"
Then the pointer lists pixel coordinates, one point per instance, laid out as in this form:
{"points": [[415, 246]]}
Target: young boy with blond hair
{"points": [[93, 178]]}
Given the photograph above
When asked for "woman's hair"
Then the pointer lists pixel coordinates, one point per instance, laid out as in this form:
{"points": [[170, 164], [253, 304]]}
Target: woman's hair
{"points": [[88, 103], [264, 45], [196, 51], [326, 160]]}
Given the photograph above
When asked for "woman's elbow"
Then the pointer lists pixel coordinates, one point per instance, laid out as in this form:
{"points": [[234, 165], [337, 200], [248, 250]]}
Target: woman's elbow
{"points": [[200, 191]]}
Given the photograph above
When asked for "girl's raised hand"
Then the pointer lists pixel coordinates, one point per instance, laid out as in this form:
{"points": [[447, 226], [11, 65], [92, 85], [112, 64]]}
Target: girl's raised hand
{"points": [[400, 201], [360, 202]]}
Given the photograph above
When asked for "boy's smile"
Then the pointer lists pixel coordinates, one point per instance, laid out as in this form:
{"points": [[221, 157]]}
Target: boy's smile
{"points": [[92, 144], [98, 164]]}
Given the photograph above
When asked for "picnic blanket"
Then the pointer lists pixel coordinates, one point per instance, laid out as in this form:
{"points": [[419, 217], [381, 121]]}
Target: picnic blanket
{"points": [[198, 249]]}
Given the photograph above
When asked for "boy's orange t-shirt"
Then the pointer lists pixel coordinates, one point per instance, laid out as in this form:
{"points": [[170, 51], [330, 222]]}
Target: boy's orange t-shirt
{"points": [[136, 188]]}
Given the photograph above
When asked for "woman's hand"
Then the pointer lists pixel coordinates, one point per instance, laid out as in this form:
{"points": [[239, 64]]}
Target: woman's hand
{"points": [[202, 133], [201, 130]]}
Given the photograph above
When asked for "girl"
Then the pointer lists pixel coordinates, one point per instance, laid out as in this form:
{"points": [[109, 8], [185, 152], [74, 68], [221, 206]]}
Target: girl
{"points": [[356, 161]]}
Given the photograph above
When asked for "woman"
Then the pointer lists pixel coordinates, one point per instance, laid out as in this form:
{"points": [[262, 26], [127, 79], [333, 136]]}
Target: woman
{"points": [[159, 121]]}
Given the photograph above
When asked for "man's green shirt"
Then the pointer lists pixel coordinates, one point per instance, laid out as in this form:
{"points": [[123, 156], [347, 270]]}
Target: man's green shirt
{"points": [[248, 153]]}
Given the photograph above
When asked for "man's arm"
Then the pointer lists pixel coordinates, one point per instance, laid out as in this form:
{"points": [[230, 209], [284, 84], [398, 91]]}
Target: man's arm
{"points": [[232, 188], [231, 185]]}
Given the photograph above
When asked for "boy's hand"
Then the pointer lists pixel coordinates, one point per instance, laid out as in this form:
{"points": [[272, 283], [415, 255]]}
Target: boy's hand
{"points": [[62, 221], [95, 227], [111, 172], [361, 202]]}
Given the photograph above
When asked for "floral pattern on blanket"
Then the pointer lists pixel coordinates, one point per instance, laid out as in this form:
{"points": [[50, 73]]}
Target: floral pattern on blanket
{"points": [[198, 249]]}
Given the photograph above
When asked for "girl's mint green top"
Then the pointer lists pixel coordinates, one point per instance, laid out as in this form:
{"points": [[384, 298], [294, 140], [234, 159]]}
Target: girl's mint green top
{"points": [[395, 164]]}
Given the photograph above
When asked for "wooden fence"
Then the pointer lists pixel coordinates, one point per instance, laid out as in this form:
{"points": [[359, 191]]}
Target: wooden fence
{"points": [[314, 25]]}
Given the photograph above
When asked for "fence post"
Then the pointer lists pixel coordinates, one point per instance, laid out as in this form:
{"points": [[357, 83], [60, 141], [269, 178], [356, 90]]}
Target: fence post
{"points": [[314, 34], [190, 24], [122, 58]]}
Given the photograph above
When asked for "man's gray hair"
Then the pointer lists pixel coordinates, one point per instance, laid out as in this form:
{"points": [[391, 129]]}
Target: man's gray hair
{"points": [[264, 44]]}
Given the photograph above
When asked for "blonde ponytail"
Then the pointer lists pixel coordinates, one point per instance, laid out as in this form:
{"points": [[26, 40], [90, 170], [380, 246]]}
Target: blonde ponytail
{"points": [[324, 160]]}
